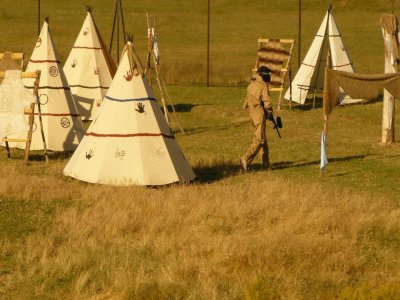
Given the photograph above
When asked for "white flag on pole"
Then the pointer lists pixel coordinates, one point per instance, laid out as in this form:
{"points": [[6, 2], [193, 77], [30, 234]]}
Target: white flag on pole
{"points": [[324, 159], [155, 47]]}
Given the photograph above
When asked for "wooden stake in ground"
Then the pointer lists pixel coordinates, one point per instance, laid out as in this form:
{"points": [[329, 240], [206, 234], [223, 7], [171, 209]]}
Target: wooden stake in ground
{"points": [[390, 31]]}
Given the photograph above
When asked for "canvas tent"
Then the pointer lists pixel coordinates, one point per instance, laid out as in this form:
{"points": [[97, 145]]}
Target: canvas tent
{"points": [[61, 121], [310, 76], [89, 69], [129, 141]]}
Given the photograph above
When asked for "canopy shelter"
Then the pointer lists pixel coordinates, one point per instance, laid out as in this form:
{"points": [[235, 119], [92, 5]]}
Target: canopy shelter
{"points": [[129, 142], [61, 121], [89, 69], [15, 100], [276, 54], [310, 76]]}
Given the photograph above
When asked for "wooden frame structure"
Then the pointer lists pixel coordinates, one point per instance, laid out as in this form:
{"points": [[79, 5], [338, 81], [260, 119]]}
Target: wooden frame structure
{"points": [[151, 40], [30, 110], [11, 61], [286, 46]]}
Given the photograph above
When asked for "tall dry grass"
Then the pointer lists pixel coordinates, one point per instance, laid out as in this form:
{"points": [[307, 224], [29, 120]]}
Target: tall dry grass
{"points": [[255, 237]]}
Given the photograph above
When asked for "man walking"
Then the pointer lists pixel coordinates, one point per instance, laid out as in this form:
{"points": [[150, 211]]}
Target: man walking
{"points": [[259, 104]]}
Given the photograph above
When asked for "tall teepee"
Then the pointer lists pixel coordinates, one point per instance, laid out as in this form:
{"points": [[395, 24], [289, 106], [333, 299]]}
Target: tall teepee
{"points": [[89, 69], [310, 76], [129, 141], [62, 124]]}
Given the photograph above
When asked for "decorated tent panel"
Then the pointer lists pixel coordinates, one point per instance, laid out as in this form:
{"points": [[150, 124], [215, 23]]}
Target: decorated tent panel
{"points": [[61, 121], [89, 69], [129, 142]]}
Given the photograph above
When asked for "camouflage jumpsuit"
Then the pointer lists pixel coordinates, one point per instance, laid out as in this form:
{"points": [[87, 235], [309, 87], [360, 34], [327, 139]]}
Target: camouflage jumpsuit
{"points": [[257, 97]]}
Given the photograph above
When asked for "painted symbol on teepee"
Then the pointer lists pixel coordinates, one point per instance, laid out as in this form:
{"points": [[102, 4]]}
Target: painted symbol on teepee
{"points": [[90, 154], [96, 71], [86, 31], [98, 102], [65, 123], [38, 42], [128, 76], [120, 154], [34, 126], [43, 99], [140, 108], [53, 71], [74, 63]]}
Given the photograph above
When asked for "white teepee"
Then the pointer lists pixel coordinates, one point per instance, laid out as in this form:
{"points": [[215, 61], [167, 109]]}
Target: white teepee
{"points": [[62, 123], [310, 76], [89, 69], [129, 142]]}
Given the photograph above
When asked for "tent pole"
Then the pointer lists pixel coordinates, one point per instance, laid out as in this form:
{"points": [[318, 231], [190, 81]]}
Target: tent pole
{"points": [[113, 29], [122, 20], [38, 17], [299, 37], [208, 43], [118, 39]]}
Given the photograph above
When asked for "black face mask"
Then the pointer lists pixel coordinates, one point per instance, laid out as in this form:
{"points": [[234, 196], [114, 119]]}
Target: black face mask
{"points": [[266, 77]]}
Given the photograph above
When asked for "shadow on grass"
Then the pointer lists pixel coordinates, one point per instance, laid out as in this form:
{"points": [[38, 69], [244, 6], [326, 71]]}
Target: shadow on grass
{"points": [[213, 173], [181, 107], [39, 156], [209, 174], [292, 164], [308, 105]]}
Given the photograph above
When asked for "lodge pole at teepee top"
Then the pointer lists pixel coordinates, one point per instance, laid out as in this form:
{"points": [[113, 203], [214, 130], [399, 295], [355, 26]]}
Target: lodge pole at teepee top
{"points": [[208, 42], [38, 28], [390, 32], [299, 37]]}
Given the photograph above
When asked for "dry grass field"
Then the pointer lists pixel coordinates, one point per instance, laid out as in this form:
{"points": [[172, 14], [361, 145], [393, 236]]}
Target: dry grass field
{"points": [[292, 233]]}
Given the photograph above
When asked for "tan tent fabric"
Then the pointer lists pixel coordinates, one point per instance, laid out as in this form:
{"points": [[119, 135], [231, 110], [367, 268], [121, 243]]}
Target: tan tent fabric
{"points": [[358, 85], [129, 141]]}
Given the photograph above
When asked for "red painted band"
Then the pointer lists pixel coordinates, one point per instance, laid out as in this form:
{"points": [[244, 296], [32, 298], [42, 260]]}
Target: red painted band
{"points": [[56, 115], [129, 135], [81, 47], [44, 61]]}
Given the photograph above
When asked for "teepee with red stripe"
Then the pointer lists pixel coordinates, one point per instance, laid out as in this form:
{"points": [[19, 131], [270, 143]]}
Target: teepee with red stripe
{"points": [[89, 69], [129, 142], [62, 124]]}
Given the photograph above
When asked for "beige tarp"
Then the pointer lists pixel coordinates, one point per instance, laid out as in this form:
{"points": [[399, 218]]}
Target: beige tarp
{"points": [[358, 85]]}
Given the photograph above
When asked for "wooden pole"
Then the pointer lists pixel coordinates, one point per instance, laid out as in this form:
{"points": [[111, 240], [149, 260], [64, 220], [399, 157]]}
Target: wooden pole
{"points": [[208, 43], [122, 21], [117, 38], [38, 18], [299, 37], [391, 66], [113, 29]]}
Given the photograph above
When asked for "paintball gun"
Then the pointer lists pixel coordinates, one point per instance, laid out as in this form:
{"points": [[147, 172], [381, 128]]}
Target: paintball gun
{"points": [[277, 123]]}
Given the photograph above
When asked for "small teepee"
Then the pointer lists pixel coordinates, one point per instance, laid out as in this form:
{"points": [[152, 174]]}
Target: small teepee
{"points": [[62, 123], [129, 142], [310, 76], [89, 69]]}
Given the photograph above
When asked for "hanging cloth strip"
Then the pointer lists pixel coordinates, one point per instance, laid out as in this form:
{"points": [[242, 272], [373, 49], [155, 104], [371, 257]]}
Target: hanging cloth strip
{"points": [[13, 100], [358, 85]]}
